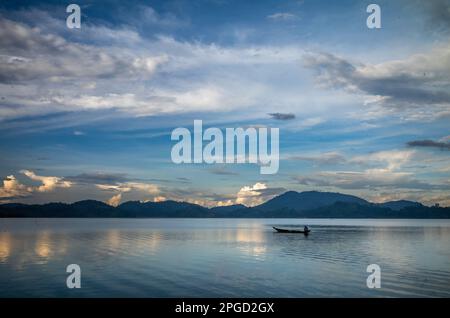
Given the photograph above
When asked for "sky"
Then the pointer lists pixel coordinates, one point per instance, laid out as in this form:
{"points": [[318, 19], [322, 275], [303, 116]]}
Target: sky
{"points": [[88, 113]]}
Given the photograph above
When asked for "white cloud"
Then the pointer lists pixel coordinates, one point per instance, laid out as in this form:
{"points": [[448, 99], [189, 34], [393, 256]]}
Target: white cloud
{"points": [[144, 187], [96, 75], [115, 200], [304, 124], [162, 75], [32, 54], [251, 195], [159, 199], [134, 189], [13, 189], [225, 203], [390, 159], [48, 183]]}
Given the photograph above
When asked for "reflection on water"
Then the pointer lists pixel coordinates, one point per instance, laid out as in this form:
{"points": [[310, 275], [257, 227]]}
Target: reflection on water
{"points": [[223, 258], [43, 248], [250, 236], [252, 242], [113, 240], [5, 246]]}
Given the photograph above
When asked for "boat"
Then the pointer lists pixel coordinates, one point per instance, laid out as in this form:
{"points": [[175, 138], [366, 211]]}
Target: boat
{"points": [[291, 231]]}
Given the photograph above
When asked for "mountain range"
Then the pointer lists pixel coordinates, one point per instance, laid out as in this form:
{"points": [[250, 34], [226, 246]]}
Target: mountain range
{"points": [[291, 204]]}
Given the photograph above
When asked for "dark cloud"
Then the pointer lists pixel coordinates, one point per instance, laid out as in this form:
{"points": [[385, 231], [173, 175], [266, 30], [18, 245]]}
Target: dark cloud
{"points": [[98, 178], [282, 116], [222, 172], [430, 144], [271, 191], [438, 14], [183, 180], [312, 181], [13, 198], [157, 180], [411, 82]]}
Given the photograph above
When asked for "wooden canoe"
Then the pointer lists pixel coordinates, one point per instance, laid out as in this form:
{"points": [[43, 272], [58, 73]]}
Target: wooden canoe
{"points": [[291, 231]]}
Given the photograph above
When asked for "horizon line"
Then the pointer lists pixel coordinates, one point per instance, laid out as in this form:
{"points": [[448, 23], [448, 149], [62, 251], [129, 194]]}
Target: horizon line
{"points": [[218, 206]]}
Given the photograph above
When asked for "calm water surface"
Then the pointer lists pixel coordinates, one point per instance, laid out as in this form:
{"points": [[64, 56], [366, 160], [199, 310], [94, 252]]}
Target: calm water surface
{"points": [[223, 258]]}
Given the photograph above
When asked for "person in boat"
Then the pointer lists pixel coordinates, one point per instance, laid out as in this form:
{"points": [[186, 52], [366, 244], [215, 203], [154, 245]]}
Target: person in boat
{"points": [[306, 229]]}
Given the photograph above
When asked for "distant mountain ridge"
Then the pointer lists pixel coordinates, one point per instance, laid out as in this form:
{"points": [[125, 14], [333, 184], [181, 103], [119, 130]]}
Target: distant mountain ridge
{"points": [[291, 204], [307, 200], [400, 204]]}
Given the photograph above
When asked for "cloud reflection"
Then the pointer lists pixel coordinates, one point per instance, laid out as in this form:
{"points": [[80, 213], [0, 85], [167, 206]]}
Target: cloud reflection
{"points": [[43, 247], [5, 246]]}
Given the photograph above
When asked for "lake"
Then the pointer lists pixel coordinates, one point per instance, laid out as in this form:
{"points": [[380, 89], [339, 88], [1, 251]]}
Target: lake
{"points": [[223, 258]]}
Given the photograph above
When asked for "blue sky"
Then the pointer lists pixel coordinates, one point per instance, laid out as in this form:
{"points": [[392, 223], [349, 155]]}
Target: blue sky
{"points": [[88, 113]]}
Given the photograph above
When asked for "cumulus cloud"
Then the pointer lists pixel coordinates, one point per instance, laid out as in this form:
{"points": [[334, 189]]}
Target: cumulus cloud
{"points": [[225, 203], [115, 200], [48, 183], [206, 198], [159, 198], [13, 189], [108, 187], [133, 189], [256, 194], [251, 195]]}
